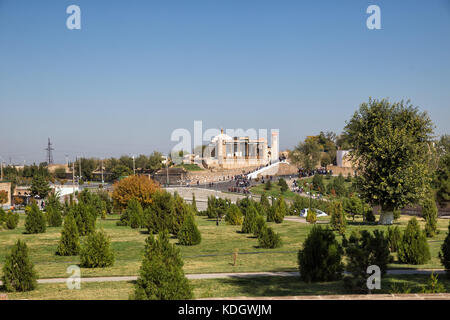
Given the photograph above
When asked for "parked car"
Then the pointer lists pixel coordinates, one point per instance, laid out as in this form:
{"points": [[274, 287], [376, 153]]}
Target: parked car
{"points": [[319, 213]]}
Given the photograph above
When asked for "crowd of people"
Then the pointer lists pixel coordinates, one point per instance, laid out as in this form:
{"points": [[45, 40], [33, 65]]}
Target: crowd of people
{"points": [[309, 173]]}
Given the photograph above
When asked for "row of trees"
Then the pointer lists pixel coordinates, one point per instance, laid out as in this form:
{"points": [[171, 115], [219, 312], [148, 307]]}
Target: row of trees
{"points": [[321, 257]]}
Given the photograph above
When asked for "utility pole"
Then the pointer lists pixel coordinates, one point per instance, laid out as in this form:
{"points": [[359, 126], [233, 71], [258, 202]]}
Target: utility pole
{"points": [[134, 167], [1, 165], [49, 152], [167, 170], [103, 181], [79, 165], [73, 177]]}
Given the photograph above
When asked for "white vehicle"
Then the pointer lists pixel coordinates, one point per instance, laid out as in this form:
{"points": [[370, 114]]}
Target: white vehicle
{"points": [[319, 213]]}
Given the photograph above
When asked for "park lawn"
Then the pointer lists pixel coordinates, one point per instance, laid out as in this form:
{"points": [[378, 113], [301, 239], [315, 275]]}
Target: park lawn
{"points": [[274, 191], [214, 254], [219, 288], [189, 167]]}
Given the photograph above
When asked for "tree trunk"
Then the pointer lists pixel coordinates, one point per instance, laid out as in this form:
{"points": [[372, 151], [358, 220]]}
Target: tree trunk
{"points": [[386, 217]]}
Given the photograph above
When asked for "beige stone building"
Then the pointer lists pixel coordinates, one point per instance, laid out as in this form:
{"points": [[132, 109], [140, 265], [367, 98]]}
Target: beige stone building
{"points": [[227, 152]]}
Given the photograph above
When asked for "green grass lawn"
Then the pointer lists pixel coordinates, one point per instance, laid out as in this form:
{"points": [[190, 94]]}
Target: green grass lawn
{"points": [[214, 254], [215, 288], [189, 167]]}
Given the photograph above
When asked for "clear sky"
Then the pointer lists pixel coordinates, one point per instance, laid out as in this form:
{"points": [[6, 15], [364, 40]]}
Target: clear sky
{"points": [[137, 70]]}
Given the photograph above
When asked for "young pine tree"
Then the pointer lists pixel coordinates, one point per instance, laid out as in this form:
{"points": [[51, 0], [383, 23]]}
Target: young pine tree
{"points": [[54, 216], [268, 238], [96, 252], [249, 224], [12, 220], [429, 213], [189, 235], [35, 220], [69, 244], [233, 216], [337, 221], [444, 255], [414, 247], [260, 224], [161, 276], [18, 270], [321, 255]]}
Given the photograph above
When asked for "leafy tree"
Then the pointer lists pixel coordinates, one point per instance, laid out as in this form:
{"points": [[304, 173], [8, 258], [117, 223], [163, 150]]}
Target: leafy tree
{"points": [[353, 206], [320, 258], [3, 197], [161, 276], [306, 154], [40, 187], [234, 215], [268, 238], [364, 249], [96, 252], [69, 243], [413, 248], [35, 220], [337, 221], [121, 171], [140, 188], [18, 270], [189, 235], [391, 146], [444, 254], [429, 213]]}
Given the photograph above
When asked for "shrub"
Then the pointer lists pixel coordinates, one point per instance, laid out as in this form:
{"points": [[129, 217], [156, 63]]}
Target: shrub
{"points": [[311, 217], [2, 217], [318, 184], [18, 270], [413, 248], [96, 252], [397, 213], [268, 239], [337, 220], [368, 214], [249, 224], [161, 275], [268, 185], [260, 224], [433, 285], [54, 216], [69, 243], [364, 249], [233, 216], [35, 220], [320, 258], [429, 213], [444, 254], [394, 237], [283, 185], [12, 220], [189, 234], [194, 204]]}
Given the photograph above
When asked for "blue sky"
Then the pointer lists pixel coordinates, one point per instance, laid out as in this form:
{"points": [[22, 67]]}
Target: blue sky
{"points": [[137, 70]]}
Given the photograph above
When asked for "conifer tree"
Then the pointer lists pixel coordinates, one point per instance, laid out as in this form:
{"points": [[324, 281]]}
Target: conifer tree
{"points": [[444, 254], [248, 226], [35, 220], [12, 220], [96, 252], [233, 216], [429, 213], [54, 216], [414, 247], [69, 244], [161, 276], [268, 238], [337, 221], [189, 234], [18, 270], [260, 224]]}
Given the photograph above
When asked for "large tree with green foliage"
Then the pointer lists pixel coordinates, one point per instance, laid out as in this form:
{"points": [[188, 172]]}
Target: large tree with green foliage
{"points": [[391, 147], [40, 186]]}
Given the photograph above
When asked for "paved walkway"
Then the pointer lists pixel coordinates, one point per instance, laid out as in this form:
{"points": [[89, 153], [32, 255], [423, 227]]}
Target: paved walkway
{"points": [[204, 276]]}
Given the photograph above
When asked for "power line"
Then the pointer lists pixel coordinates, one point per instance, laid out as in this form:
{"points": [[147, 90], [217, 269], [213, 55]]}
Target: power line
{"points": [[49, 152]]}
